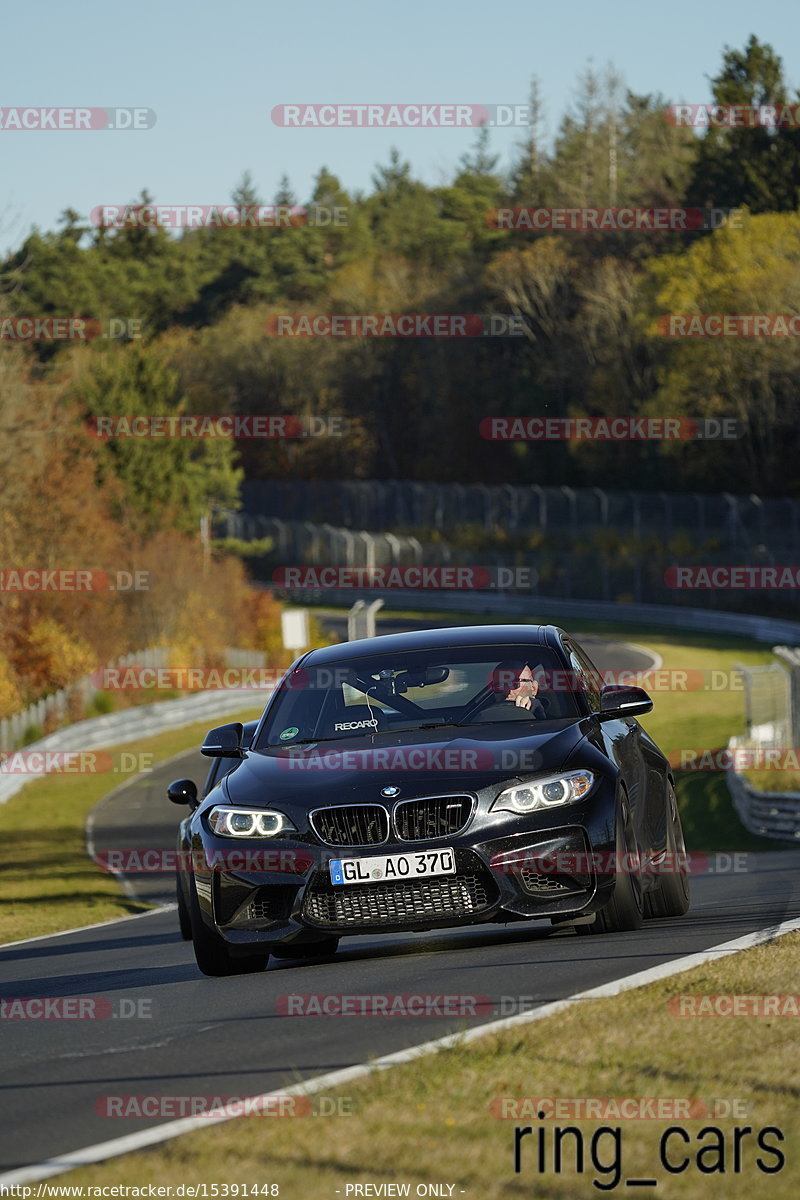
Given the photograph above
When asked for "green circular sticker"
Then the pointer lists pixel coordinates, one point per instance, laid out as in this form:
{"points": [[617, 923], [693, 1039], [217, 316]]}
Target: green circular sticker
{"points": [[291, 732]]}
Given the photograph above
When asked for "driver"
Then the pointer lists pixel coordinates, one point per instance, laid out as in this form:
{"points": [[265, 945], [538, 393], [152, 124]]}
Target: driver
{"points": [[514, 687]]}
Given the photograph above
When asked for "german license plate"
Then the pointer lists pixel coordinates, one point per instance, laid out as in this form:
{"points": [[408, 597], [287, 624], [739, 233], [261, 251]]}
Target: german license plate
{"points": [[393, 866]]}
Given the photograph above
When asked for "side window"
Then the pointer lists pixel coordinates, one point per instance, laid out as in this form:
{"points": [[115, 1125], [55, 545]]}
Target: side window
{"points": [[587, 679]]}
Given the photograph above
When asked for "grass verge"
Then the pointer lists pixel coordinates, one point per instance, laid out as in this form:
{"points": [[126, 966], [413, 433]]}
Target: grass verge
{"points": [[431, 1120], [47, 881], [685, 721], [773, 781]]}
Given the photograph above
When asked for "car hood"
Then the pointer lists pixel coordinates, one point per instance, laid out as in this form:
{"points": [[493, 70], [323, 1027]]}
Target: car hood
{"points": [[418, 762]]}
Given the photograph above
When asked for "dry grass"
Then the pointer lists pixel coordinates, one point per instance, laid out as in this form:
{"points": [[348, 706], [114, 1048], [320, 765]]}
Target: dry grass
{"points": [[430, 1121]]}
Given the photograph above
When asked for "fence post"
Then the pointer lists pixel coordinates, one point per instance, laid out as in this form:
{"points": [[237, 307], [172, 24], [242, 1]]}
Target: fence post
{"points": [[603, 498], [369, 617], [790, 655], [353, 620]]}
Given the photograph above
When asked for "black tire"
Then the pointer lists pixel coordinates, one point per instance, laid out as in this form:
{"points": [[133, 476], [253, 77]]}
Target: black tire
{"points": [[625, 909], [671, 898], [184, 920], [212, 953], [297, 950]]}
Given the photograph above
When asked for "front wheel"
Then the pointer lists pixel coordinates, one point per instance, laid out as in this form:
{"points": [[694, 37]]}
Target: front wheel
{"points": [[671, 897], [625, 909], [212, 953]]}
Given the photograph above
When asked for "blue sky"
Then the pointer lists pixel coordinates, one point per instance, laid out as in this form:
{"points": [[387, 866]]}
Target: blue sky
{"points": [[213, 72]]}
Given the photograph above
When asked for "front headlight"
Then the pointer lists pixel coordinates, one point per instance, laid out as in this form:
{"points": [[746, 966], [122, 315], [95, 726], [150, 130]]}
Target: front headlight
{"points": [[249, 822], [544, 793]]}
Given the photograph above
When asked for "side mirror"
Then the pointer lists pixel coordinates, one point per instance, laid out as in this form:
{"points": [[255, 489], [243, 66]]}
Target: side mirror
{"points": [[619, 701], [183, 791], [224, 742]]}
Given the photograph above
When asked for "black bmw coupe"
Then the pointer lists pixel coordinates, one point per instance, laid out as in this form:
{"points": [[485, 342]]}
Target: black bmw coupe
{"points": [[423, 780]]}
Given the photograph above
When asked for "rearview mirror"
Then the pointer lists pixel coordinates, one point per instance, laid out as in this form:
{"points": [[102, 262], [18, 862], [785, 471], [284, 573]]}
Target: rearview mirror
{"points": [[224, 742], [183, 791], [436, 674], [619, 701], [422, 678]]}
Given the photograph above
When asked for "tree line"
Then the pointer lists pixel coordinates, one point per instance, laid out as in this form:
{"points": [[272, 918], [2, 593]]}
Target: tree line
{"points": [[590, 306]]}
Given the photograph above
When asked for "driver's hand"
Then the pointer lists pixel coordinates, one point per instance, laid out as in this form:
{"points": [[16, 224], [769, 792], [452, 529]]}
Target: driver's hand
{"points": [[522, 701]]}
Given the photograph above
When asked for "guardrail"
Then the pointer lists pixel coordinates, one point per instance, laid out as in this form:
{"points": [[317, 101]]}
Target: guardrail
{"points": [[55, 708], [772, 695], [770, 814], [577, 567], [126, 726], [508, 604]]}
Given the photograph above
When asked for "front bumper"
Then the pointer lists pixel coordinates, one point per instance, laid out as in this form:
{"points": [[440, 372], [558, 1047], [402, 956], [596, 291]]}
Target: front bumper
{"points": [[498, 878]]}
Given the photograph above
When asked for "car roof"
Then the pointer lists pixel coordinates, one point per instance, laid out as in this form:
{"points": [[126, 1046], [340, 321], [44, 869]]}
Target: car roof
{"points": [[437, 639]]}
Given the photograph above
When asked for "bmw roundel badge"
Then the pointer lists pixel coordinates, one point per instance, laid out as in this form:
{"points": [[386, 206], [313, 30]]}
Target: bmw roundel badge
{"points": [[390, 792]]}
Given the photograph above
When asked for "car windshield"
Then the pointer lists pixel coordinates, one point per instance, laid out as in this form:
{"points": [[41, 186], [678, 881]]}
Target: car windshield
{"points": [[419, 689]]}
